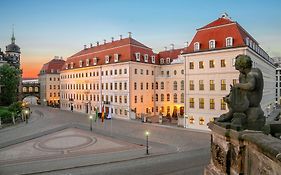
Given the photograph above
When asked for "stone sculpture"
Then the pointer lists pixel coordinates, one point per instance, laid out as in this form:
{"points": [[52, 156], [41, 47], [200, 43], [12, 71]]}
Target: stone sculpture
{"points": [[244, 98]]}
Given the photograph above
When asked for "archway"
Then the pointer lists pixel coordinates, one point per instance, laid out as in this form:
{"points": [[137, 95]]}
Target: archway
{"points": [[33, 100]]}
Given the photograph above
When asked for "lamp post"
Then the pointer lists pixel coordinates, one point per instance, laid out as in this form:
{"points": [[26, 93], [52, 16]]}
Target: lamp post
{"points": [[147, 133], [91, 122], [26, 116]]}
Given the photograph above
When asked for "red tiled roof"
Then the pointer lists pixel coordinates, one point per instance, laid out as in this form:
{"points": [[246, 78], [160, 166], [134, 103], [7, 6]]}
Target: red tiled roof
{"points": [[55, 64], [219, 30], [125, 48], [172, 54]]}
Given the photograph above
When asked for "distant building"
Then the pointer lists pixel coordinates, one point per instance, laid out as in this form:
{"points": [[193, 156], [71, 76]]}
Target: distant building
{"points": [[49, 80], [277, 63]]}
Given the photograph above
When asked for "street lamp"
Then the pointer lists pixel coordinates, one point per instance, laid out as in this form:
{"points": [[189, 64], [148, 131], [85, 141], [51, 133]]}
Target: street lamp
{"points": [[147, 133], [26, 116], [91, 122]]}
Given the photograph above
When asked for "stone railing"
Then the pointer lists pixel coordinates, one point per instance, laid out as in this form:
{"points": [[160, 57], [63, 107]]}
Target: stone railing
{"points": [[245, 152]]}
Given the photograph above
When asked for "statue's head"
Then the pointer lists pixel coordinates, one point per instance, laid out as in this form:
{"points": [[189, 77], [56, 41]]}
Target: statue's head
{"points": [[243, 62]]}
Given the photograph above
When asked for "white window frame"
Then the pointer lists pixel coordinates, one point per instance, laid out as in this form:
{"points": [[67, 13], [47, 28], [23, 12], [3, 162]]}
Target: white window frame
{"points": [[162, 61], [196, 46], [80, 63], [146, 58], [168, 60], [137, 56], [116, 57], [212, 44], [71, 65], [66, 67], [107, 59], [87, 62], [153, 59], [230, 43], [95, 61]]}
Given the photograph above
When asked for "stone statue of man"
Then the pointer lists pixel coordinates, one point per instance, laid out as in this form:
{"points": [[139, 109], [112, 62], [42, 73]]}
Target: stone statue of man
{"points": [[245, 97]]}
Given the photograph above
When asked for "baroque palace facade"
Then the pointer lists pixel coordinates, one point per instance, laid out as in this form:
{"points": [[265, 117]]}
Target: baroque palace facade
{"points": [[127, 78]]}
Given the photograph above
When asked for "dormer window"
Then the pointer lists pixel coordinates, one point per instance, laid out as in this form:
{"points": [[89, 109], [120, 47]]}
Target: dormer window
{"points": [[196, 46], [66, 66], [153, 59], [71, 65], [247, 41], [107, 59], [168, 60], [52, 70], [137, 56], [229, 41], [116, 57], [80, 63], [162, 61], [212, 44], [146, 58], [95, 61], [87, 62]]}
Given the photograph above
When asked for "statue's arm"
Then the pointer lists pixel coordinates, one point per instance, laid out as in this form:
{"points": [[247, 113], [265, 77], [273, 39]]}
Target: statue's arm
{"points": [[250, 85]]}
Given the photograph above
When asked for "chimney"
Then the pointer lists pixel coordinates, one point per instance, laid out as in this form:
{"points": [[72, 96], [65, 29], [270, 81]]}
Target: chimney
{"points": [[172, 46], [112, 39], [91, 45], [85, 46], [186, 44], [104, 41], [165, 48], [120, 37], [98, 43], [61, 58], [130, 34]]}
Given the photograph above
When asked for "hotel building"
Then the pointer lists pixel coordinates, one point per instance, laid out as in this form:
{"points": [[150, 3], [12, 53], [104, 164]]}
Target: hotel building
{"points": [[128, 79]]}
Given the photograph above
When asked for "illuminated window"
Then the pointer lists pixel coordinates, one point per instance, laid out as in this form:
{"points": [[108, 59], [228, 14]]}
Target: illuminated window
{"points": [[223, 105], [191, 65], [191, 102], [191, 119], [234, 81], [223, 85], [211, 63], [212, 85], [223, 63], [36, 89], [201, 85], [212, 103], [201, 65], [24, 89], [191, 85], [201, 103], [201, 121]]}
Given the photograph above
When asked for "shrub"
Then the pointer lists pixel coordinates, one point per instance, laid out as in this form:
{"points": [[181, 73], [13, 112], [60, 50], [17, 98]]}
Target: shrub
{"points": [[6, 116], [15, 107]]}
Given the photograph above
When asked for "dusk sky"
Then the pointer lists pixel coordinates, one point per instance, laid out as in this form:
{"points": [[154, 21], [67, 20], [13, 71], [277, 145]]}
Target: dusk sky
{"points": [[46, 28]]}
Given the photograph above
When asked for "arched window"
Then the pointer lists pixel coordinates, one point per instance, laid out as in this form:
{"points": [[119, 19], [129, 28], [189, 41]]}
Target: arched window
{"points": [[182, 85], [175, 85], [212, 44], [24, 89], [182, 97], [156, 85], [36, 89], [196, 46], [162, 85], [229, 41], [168, 97], [175, 98], [30, 89], [156, 97], [162, 97]]}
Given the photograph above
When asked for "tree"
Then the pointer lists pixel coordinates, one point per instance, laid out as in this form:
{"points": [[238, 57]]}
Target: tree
{"points": [[9, 81]]}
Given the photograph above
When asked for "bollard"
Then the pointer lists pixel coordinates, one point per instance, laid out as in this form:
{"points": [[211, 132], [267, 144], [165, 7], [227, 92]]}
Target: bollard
{"points": [[13, 117]]}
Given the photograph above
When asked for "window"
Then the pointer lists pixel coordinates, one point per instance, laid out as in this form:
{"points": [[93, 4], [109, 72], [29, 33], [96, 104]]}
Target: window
{"points": [[168, 97], [223, 105], [136, 71], [147, 86], [223, 85], [95, 61], [182, 85], [135, 85], [223, 63], [162, 97], [175, 72], [234, 81], [120, 99], [80, 63], [191, 85], [137, 56], [120, 86], [212, 44], [201, 121], [182, 72], [156, 85], [212, 103], [168, 73], [120, 71], [125, 71], [182, 97], [175, 98], [116, 57], [71, 65], [162, 61], [212, 85], [146, 58], [191, 102], [125, 99], [175, 85], [196, 46], [107, 59], [141, 86], [87, 62], [211, 64], [228, 41], [136, 99], [191, 65], [125, 86], [147, 72], [201, 103], [24, 89], [156, 97], [201, 65], [191, 120], [153, 59], [201, 85], [162, 85], [141, 71], [168, 60]]}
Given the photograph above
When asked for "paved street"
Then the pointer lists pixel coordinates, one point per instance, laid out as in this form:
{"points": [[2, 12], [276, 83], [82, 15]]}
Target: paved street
{"points": [[43, 146]]}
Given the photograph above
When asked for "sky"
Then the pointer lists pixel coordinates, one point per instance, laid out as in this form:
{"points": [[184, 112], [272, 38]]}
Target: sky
{"points": [[48, 28]]}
